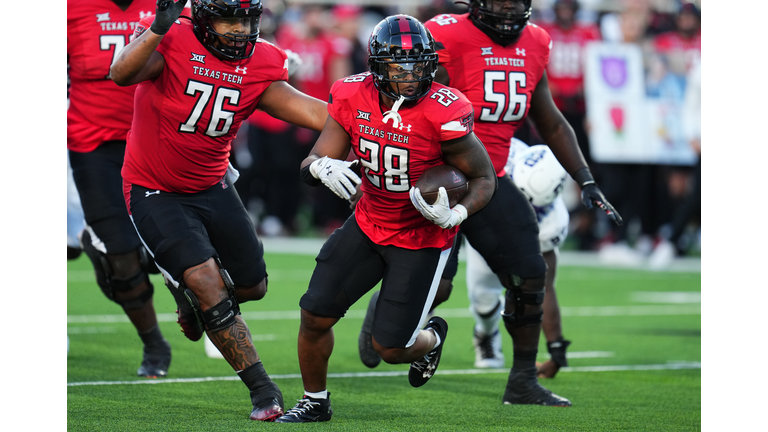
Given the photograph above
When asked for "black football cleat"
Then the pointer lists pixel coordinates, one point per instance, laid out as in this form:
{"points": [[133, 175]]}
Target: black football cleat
{"points": [[422, 370], [187, 318], [267, 401], [308, 410], [524, 389], [156, 361], [368, 354]]}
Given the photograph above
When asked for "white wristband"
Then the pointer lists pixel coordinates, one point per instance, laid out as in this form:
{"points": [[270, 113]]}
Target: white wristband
{"points": [[462, 211]]}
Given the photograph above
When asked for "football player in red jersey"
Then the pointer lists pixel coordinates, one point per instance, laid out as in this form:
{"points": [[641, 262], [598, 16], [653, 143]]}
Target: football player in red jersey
{"points": [[498, 59], [565, 71], [98, 119], [198, 79], [398, 124]]}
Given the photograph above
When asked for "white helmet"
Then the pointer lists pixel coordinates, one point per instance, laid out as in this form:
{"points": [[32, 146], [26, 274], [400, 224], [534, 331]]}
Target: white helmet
{"points": [[538, 174]]}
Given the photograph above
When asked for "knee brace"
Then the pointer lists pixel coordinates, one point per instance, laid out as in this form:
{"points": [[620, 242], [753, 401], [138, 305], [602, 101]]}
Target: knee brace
{"points": [[110, 285], [523, 293], [221, 315]]}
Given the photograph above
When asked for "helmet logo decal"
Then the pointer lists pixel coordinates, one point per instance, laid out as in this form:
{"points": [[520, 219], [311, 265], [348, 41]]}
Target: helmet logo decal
{"points": [[198, 58]]}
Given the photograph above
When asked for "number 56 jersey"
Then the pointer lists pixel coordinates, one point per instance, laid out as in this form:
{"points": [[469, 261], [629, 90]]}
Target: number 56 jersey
{"points": [[393, 158], [498, 80]]}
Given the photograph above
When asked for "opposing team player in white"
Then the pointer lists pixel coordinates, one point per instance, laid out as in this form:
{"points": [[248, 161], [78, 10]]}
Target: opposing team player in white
{"points": [[536, 172]]}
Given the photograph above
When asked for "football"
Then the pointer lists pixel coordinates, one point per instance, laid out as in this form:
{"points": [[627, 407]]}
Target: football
{"points": [[453, 180]]}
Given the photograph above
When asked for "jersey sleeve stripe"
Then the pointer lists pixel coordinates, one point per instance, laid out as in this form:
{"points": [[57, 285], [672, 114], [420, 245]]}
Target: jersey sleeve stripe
{"points": [[453, 126]]}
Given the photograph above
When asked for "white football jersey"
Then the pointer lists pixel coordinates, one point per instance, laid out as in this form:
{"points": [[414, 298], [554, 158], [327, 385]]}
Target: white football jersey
{"points": [[553, 225], [515, 148], [554, 219]]}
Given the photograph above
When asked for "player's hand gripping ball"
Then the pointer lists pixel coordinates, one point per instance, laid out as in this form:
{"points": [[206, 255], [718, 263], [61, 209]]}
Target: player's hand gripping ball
{"points": [[453, 180]]}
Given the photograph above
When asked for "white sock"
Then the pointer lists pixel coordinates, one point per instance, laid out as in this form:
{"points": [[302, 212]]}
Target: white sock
{"points": [[438, 339], [319, 395]]}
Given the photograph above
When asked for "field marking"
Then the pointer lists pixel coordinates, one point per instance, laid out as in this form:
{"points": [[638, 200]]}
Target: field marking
{"points": [[587, 354], [608, 368], [581, 311], [91, 330], [679, 297]]}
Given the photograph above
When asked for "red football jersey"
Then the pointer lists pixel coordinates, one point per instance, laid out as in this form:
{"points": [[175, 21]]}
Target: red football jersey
{"points": [[186, 118], [566, 62], [99, 110], [499, 81], [394, 158]]}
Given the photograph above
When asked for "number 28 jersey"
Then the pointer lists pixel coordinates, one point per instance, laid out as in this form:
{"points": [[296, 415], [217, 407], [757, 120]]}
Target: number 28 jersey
{"points": [[393, 158], [498, 80]]}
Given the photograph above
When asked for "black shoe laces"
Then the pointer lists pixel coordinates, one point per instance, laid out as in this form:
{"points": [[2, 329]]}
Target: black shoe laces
{"points": [[486, 346]]}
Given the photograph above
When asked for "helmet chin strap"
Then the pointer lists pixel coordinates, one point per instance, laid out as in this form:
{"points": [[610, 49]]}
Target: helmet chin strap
{"points": [[392, 114]]}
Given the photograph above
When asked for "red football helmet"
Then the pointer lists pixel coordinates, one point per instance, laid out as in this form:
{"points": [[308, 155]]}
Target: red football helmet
{"points": [[402, 43]]}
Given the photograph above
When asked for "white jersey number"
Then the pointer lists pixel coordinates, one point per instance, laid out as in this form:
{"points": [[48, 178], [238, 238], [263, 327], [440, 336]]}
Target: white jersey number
{"points": [[221, 119], [445, 96], [444, 19], [394, 169], [510, 102], [111, 42]]}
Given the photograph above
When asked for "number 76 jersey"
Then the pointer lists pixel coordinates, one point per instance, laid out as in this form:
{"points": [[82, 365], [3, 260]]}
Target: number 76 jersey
{"points": [[498, 80], [393, 157]]}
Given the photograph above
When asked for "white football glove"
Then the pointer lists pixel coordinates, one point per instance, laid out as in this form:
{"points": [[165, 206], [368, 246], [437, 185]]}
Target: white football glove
{"points": [[440, 213], [336, 175]]}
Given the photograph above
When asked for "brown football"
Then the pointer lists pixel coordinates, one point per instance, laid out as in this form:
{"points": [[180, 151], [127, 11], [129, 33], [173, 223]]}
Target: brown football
{"points": [[453, 180]]}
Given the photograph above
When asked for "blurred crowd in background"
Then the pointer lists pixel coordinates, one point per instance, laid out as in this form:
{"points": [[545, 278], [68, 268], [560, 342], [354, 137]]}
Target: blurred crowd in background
{"points": [[659, 202]]}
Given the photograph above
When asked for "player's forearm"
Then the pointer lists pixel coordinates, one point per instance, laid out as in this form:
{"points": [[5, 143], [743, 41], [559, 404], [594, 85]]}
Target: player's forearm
{"points": [[470, 157], [562, 141], [282, 101], [132, 64], [479, 193]]}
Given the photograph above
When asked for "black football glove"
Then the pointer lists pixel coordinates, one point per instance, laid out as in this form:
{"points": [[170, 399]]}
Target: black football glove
{"points": [[591, 194], [166, 14]]}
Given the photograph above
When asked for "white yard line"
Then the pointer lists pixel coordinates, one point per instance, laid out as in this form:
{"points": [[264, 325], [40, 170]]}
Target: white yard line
{"points": [[614, 368]]}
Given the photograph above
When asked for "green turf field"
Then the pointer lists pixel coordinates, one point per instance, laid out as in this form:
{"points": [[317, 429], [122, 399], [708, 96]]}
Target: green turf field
{"points": [[635, 362]]}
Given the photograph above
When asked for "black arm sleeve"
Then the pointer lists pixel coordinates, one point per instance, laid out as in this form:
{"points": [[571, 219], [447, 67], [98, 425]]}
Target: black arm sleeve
{"points": [[308, 178]]}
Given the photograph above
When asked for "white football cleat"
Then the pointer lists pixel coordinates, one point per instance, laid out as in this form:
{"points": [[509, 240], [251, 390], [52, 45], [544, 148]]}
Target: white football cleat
{"points": [[488, 350]]}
